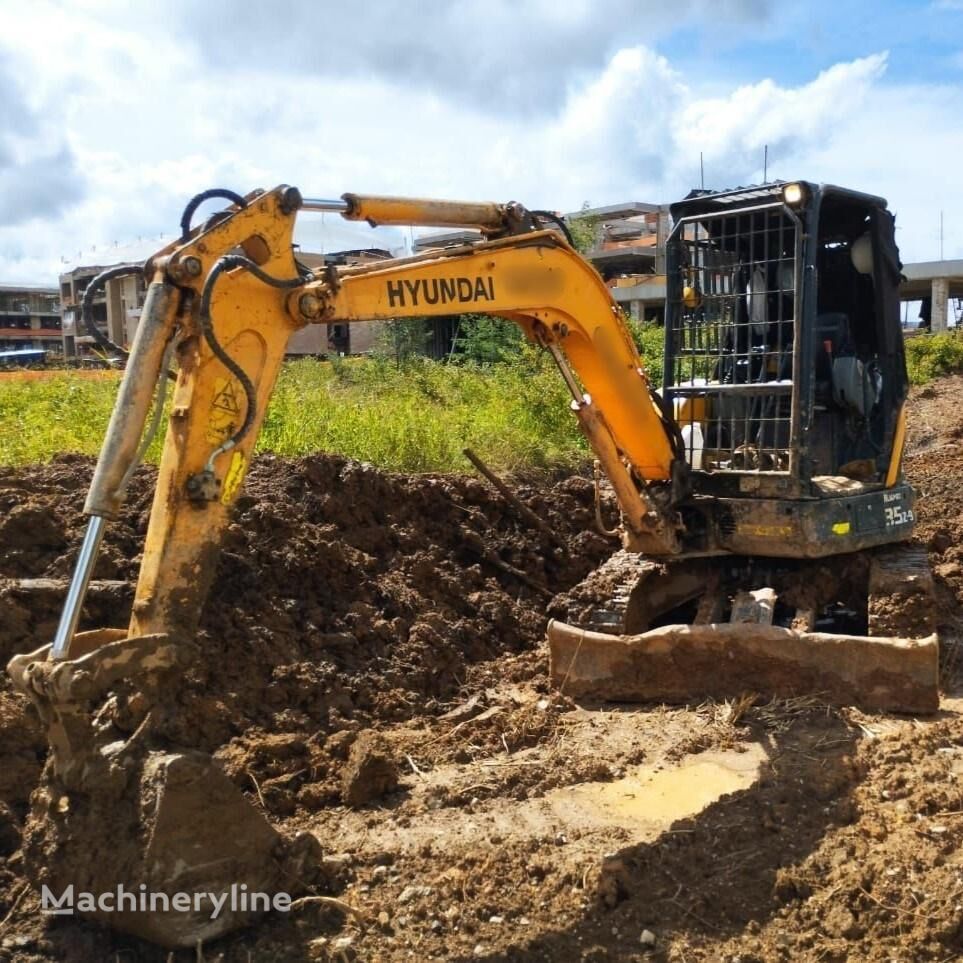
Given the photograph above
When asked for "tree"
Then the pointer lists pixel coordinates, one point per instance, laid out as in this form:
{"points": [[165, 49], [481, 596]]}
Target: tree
{"points": [[486, 339], [584, 229], [402, 339]]}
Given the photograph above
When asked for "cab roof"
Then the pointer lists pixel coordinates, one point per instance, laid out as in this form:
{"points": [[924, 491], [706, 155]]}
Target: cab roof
{"points": [[701, 201]]}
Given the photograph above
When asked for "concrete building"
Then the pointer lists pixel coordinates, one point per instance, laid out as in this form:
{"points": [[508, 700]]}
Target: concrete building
{"points": [[29, 318], [116, 309], [628, 250]]}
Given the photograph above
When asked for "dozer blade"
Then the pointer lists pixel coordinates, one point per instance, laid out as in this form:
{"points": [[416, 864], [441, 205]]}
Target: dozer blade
{"points": [[165, 844], [777, 639]]}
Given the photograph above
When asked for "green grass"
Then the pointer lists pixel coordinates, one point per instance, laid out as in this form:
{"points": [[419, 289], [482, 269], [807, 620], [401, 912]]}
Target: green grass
{"points": [[417, 417], [413, 417], [41, 418]]}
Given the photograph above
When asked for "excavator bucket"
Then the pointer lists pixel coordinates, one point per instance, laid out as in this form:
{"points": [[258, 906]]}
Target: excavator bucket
{"points": [[642, 631], [166, 846]]}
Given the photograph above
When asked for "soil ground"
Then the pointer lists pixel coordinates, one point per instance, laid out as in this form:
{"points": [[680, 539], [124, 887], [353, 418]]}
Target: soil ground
{"points": [[373, 672]]}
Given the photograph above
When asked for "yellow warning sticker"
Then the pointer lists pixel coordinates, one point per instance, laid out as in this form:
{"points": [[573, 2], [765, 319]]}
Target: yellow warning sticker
{"points": [[841, 528], [233, 479], [225, 414]]}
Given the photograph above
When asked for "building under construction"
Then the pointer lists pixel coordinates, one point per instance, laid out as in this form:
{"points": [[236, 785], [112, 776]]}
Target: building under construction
{"points": [[627, 247], [29, 319]]}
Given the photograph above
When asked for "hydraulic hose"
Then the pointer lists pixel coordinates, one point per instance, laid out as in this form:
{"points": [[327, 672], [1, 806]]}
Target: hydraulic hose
{"points": [[87, 305], [558, 222], [195, 202], [223, 264]]}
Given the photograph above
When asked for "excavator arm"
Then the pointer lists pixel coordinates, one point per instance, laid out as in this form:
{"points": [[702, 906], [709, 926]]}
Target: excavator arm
{"points": [[224, 300], [238, 311]]}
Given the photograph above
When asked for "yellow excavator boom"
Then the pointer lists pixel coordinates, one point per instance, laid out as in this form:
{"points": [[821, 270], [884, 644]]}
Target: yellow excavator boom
{"points": [[534, 279]]}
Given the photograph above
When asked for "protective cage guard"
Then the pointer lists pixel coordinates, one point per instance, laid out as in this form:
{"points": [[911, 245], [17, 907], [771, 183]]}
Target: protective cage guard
{"points": [[732, 322]]}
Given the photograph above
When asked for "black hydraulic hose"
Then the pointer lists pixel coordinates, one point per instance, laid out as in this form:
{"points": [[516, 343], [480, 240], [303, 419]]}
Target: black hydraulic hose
{"points": [[223, 264], [87, 304], [558, 222], [195, 202]]}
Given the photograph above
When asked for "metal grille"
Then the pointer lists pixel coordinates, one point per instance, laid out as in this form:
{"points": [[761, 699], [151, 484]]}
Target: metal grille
{"points": [[731, 330]]}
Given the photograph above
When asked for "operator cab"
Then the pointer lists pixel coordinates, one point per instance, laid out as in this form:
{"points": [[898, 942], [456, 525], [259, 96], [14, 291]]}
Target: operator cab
{"points": [[784, 355]]}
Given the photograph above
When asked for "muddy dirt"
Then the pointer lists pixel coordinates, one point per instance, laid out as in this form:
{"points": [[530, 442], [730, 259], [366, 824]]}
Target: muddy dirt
{"points": [[373, 672]]}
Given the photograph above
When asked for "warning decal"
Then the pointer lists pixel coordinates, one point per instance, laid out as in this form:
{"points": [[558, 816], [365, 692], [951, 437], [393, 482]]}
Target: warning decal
{"points": [[225, 413]]}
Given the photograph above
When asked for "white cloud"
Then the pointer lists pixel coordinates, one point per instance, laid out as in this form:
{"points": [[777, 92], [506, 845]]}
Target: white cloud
{"points": [[39, 176], [902, 144], [500, 56], [616, 130], [731, 129], [148, 119]]}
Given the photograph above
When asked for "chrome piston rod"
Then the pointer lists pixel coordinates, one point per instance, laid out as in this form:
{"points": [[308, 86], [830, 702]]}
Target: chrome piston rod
{"points": [[78, 587], [121, 450], [324, 206]]}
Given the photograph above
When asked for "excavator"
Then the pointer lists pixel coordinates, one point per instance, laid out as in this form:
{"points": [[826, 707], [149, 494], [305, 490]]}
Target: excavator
{"points": [[763, 516]]}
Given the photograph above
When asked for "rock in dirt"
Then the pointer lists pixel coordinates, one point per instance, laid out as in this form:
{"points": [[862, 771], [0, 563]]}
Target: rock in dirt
{"points": [[371, 771], [466, 710], [841, 923], [413, 892]]}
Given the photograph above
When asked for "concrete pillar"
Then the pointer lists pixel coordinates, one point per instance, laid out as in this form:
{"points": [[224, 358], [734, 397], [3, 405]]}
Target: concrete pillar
{"points": [[939, 305]]}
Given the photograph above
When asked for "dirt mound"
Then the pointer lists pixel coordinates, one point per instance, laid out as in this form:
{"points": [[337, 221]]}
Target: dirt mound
{"points": [[344, 596]]}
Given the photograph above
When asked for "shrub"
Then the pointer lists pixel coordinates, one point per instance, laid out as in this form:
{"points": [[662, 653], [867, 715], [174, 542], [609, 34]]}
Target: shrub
{"points": [[930, 356]]}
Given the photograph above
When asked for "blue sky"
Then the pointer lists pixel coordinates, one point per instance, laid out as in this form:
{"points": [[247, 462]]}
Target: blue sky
{"points": [[793, 41], [112, 113]]}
